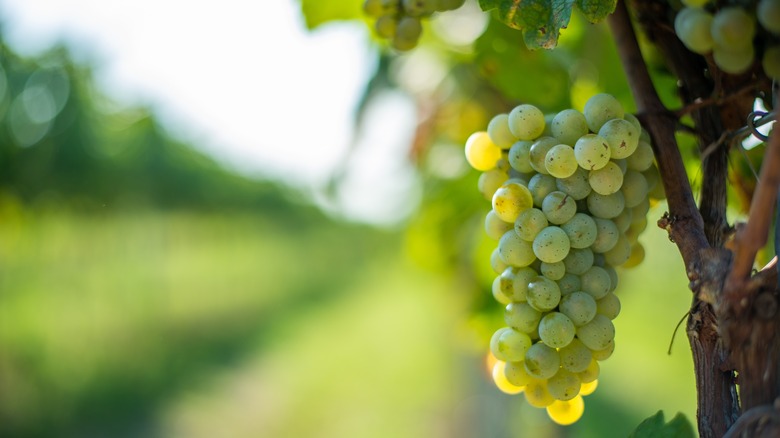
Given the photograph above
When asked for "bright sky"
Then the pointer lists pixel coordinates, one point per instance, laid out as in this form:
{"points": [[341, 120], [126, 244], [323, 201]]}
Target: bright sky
{"points": [[241, 78]]}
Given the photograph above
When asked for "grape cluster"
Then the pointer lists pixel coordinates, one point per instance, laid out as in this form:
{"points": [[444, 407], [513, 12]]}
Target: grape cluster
{"points": [[400, 20], [570, 195], [729, 33]]}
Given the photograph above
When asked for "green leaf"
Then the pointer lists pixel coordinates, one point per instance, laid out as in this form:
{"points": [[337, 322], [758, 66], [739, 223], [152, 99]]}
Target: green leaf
{"points": [[654, 427], [596, 10], [318, 12], [540, 20]]}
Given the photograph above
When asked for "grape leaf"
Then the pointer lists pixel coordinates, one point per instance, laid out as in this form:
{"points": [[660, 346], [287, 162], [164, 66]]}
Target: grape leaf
{"points": [[596, 10], [542, 20], [654, 427]]}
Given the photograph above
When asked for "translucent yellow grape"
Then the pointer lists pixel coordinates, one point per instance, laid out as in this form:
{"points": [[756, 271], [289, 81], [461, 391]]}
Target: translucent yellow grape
{"points": [[537, 395], [636, 257], [588, 388], [510, 200], [566, 412], [499, 378], [481, 153]]}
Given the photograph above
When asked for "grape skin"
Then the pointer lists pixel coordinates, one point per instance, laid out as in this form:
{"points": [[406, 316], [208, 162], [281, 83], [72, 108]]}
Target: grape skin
{"points": [[768, 13], [601, 108], [526, 122]]}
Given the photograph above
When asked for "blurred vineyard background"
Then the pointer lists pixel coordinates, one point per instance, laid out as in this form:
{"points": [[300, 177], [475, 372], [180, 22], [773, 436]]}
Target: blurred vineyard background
{"points": [[148, 290]]}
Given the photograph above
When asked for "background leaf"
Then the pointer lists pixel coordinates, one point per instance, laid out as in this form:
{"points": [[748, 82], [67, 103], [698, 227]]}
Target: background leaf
{"points": [[654, 427]]}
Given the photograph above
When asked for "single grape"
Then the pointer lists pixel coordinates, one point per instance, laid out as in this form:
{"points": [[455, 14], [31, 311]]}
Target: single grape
{"points": [[608, 305], [634, 121], [516, 374], [642, 158], [605, 353], [576, 185], [490, 181], [771, 61], [620, 253], [551, 244], [597, 333], [612, 276], [556, 330], [515, 251], [494, 226], [498, 294], [566, 412], [568, 126], [496, 262], [622, 137], [526, 122], [578, 261], [560, 161], [575, 357], [591, 373], [589, 388], [553, 271], [606, 206], [592, 152], [407, 33], [768, 13], [529, 223], [540, 186], [385, 26], [581, 230], [733, 61], [542, 361], [596, 282], [733, 29], [558, 207], [501, 381], [520, 156], [416, 8], [564, 385], [510, 200], [508, 344], [481, 153], [522, 317], [637, 256], [378, 8], [601, 108], [538, 153], [543, 294], [498, 130], [580, 307], [536, 394], [607, 180], [692, 26], [569, 283]]}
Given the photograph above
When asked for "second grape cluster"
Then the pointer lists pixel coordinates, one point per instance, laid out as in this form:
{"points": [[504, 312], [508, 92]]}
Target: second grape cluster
{"points": [[400, 20], [570, 195]]}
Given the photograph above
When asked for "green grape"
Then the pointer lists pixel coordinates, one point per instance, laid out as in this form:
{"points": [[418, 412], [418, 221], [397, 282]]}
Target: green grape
{"points": [[509, 345], [605, 353], [498, 130], [640, 211], [529, 223], [621, 136], [634, 121], [620, 253], [623, 220], [592, 152], [581, 230], [771, 61], [543, 294], [536, 393], [496, 262], [733, 62], [655, 186], [498, 294], [634, 188], [564, 385], [733, 29], [597, 333], [642, 158], [591, 373], [601, 108], [538, 153], [606, 206], [637, 255], [768, 13], [607, 235], [490, 181], [596, 282], [494, 226], [520, 156], [560, 161], [608, 305], [516, 374], [481, 153], [553, 271], [692, 26], [635, 229], [515, 251], [385, 26], [568, 126], [556, 330], [566, 412], [575, 357], [578, 261], [607, 180], [510, 200], [613, 277], [542, 361], [576, 186], [407, 33], [569, 283], [416, 8], [540, 186], [377, 8], [526, 122], [558, 207], [522, 276], [551, 244], [506, 283], [580, 307], [502, 383], [522, 317]]}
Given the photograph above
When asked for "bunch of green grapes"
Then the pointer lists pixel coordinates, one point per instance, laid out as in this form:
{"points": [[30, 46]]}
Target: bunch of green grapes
{"points": [[569, 200], [729, 33], [400, 20]]}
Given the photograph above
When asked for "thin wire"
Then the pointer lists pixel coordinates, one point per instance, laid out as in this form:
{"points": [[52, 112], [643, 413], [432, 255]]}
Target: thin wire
{"points": [[674, 333]]}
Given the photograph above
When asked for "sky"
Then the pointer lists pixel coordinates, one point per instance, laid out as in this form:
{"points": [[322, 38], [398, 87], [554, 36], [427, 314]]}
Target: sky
{"points": [[245, 81]]}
